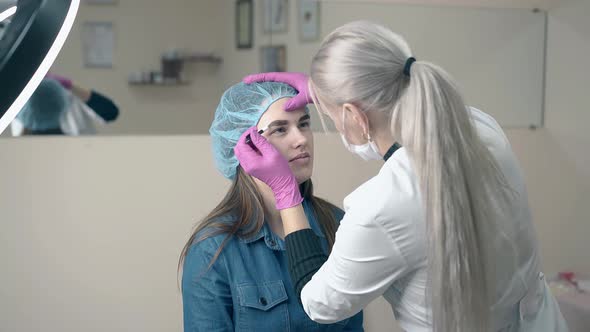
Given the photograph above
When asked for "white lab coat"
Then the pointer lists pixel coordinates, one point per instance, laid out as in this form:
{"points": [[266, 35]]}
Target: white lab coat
{"points": [[381, 248], [79, 119]]}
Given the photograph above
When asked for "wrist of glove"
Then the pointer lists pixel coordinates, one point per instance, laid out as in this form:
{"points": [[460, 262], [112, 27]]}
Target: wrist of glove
{"points": [[287, 193]]}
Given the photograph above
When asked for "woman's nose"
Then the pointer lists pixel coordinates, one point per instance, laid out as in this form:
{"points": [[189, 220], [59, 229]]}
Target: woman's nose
{"points": [[299, 138]]}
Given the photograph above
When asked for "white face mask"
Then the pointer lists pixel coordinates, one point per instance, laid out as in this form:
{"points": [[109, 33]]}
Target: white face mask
{"points": [[367, 151]]}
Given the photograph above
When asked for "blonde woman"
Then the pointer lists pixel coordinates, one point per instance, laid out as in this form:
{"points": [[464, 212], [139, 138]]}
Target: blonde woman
{"points": [[443, 231]]}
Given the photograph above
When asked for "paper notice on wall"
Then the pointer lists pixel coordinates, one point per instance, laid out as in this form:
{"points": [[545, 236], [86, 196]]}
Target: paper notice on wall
{"points": [[98, 42]]}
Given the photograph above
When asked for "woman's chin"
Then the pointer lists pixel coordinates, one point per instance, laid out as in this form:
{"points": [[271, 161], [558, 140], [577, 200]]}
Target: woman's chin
{"points": [[302, 172], [302, 177]]}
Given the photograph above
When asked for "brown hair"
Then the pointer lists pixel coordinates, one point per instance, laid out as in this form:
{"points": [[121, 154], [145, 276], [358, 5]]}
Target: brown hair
{"points": [[244, 203]]}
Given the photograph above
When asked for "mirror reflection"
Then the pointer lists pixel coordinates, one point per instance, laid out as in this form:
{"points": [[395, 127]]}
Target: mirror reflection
{"points": [[152, 69], [60, 107]]}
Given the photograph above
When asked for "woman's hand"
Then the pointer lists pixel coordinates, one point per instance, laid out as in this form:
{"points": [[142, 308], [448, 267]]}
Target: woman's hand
{"points": [[299, 81], [64, 81], [261, 160]]}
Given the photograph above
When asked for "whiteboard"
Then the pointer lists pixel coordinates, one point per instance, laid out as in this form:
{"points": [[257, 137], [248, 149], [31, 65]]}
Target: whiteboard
{"points": [[495, 55]]}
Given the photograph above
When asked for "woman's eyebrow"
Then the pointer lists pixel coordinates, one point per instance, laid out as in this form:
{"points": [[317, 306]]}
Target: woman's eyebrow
{"points": [[278, 123], [305, 117]]}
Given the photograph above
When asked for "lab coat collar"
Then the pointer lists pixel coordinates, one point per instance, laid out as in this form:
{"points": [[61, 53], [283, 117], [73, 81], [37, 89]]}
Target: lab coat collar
{"points": [[391, 151]]}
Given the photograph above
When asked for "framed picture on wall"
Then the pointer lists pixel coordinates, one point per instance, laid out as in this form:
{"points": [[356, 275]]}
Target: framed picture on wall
{"points": [[244, 24], [309, 20], [275, 15], [273, 58], [98, 43]]}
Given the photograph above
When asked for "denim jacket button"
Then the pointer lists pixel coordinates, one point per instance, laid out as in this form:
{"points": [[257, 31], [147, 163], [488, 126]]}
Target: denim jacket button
{"points": [[262, 301]]}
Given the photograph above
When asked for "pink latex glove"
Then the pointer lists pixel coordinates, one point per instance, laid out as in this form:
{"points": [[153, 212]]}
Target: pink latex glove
{"points": [[270, 167], [297, 80], [65, 82]]}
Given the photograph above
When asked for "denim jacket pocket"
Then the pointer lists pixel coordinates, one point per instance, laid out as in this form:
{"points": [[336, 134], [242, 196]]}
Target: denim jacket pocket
{"points": [[263, 306]]}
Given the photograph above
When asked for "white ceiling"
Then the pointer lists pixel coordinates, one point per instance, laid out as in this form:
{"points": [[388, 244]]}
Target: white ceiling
{"points": [[541, 4]]}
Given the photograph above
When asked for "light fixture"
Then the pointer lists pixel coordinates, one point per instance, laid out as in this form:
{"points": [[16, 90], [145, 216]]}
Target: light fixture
{"points": [[5, 15]]}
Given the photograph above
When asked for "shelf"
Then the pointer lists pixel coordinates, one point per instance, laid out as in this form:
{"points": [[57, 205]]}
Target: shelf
{"points": [[171, 66], [185, 83], [202, 58]]}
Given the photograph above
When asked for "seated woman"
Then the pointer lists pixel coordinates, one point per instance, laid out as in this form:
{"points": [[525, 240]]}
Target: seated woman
{"points": [[42, 113], [234, 275], [60, 107]]}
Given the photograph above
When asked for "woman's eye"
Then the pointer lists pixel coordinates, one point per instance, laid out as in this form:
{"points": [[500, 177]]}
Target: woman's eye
{"points": [[279, 130], [304, 125]]}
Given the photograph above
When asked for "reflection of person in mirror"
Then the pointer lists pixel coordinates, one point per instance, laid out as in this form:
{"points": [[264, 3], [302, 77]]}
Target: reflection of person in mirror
{"points": [[60, 107]]}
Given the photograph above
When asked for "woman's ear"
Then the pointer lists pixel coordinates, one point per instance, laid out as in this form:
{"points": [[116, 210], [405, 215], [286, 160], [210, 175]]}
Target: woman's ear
{"points": [[358, 116]]}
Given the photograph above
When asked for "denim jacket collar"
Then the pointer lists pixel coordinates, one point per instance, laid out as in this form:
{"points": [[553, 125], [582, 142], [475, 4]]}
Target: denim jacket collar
{"points": [[266, 233]]}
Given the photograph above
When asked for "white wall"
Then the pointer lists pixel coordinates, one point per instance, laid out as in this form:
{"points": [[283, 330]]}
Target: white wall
{"points": [[560, 180], [542, 4], [241, 62], [494, 55]]}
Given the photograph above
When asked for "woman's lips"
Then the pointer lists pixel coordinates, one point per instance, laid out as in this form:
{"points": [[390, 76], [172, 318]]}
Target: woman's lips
{"points": [[303, 157]]}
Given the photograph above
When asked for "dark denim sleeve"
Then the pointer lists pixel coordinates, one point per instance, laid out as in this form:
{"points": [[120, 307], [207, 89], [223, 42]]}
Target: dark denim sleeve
{"points": [[338, 214], [103, 106], [206, 293], [355, 323], [305, 254]]}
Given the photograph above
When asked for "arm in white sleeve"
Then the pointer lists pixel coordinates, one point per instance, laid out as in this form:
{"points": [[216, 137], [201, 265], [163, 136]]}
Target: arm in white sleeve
{"points": [[363, 263]]}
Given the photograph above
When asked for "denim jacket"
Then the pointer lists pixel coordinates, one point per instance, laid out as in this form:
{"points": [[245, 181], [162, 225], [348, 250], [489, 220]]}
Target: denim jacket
{"points": [[248, 288]]}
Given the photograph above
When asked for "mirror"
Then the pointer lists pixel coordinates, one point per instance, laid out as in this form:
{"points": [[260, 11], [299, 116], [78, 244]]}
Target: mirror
{"points": [[160, 69], [32, 32], [112, 41], [496, 55]]}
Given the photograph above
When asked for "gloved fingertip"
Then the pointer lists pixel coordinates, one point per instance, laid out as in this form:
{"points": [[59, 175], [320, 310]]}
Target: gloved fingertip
{"points": [[253, 130], [256, 137], [260, 142], [289, 106], [254, 78], [296, 103], [247, 79]]}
